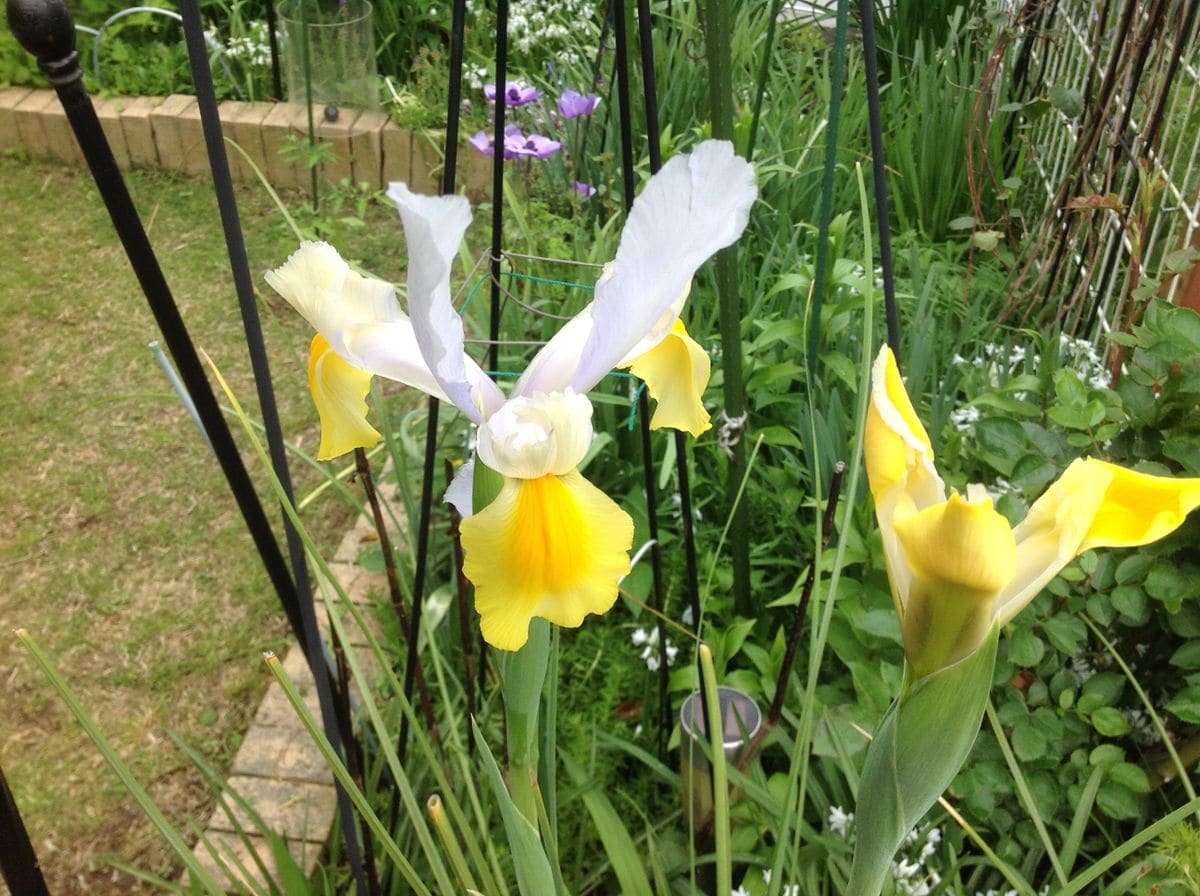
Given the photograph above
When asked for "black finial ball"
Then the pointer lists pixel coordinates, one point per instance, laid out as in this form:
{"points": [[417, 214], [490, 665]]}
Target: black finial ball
{"points": [[331, 113], [43, 27]]}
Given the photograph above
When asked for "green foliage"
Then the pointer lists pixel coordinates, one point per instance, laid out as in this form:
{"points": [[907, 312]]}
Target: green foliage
{"points": [[1076, 720], [17, 67]]}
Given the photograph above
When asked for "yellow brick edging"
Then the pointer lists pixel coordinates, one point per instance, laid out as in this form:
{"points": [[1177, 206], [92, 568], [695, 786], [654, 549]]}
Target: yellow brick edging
{"points": [[165, 133]]}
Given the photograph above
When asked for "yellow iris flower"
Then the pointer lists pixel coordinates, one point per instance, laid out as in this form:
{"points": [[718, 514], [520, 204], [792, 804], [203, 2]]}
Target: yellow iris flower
{"points": [[955, 565], [551, 544]]}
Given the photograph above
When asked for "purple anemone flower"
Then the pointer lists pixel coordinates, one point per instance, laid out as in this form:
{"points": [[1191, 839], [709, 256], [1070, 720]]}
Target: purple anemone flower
{"points": [[483, 143], [573, 105], [535, 146], [514, 94], [516, 144], [587, 191]]}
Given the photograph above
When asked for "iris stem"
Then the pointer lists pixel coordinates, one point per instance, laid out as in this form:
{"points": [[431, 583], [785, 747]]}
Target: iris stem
{"points": [[522, 676]]}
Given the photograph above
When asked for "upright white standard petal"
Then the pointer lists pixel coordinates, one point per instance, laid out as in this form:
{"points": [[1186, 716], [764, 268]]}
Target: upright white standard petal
{"points": [[695, 205], [554, 366], [434, 228]]}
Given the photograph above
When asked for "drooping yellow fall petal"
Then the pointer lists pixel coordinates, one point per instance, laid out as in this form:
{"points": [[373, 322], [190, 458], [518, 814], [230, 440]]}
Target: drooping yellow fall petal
{"points": [[961, 554], [552, 547], [676, 372], [339, 390], [1093, 504]]}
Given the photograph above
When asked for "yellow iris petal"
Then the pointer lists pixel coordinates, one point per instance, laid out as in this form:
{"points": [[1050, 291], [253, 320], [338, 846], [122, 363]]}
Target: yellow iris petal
{"points": [[339, 390], [1138, 508], [676, 372], [894, 440], [1093, 504], [961, 553], [552, 547]]}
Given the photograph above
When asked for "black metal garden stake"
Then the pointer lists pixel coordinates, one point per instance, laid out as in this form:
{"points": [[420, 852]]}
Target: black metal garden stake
{"points": [[18, 861], [866, 12]]}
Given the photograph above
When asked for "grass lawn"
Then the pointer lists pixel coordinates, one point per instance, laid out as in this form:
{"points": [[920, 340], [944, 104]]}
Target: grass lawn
{"points": [[121, 550]]}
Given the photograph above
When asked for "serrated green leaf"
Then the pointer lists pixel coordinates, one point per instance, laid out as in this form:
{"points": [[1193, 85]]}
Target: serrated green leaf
{"points": [[1103, 689], [1116, 801], [1065, 633], [1025, 648], [1170, 585], [1133, 569], [1186, 704], [1187, 656], [1109, 721], [1106, 755], [1130, 776], [1028, 743], [1066, 100], [1131, 602]]}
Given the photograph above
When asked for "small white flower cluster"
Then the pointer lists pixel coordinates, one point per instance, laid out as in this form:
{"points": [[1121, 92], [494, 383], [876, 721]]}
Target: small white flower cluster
{"points": [[964, 419], [1081, 669], [541, 26], [909, 872], [999, 487], [839, 821], [788, 889], [1145, 733], [648, 641], [1081, 356], [475, 75], [1000, 362], [254, 48]]}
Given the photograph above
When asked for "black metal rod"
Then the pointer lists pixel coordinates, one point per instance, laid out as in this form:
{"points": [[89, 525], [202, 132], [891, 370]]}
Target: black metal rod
{"points": [[866, 11], [653, 139], [334, 701], [497, 235], [458, 26], [273, 43], [625, 117], [427, 473], [45, 28], [18, 861], [498, 182]]}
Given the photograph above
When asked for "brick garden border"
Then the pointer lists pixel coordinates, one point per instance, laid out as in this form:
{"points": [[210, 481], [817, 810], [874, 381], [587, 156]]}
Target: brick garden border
{"points": [[165, 133], [278, 769]]}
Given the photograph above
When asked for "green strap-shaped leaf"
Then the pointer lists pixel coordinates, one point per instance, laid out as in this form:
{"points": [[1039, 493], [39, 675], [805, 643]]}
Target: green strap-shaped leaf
{"points": [[534, 877], [920, 746]]}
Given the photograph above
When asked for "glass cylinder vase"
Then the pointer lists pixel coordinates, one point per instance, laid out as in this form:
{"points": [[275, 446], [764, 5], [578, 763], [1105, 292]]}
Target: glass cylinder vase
{"points": [[329, 53]]}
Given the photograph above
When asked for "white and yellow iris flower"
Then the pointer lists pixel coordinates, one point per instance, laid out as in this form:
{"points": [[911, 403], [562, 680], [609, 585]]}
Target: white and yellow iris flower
{"points": [[550, 544], [955, 564]]}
